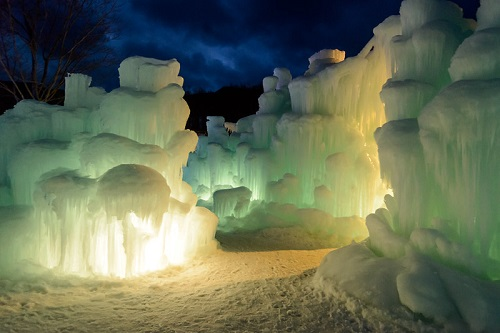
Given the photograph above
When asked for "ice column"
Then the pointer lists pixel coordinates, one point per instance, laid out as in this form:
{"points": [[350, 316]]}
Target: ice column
{"points": [[441, 164], [104, 176], [436, 248], [459, 133], [431, 32], [310, 144], [421, 55]]}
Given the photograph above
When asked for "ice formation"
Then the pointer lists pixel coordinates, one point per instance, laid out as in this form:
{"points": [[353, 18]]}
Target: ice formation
{"points": [[435, 249], [95, 186], [309, 145]]}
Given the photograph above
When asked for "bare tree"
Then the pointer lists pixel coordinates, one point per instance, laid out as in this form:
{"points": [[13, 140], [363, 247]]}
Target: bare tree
{"points": [[43, 40]]}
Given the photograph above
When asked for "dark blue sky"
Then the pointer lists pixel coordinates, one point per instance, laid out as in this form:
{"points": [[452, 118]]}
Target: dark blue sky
{"points": [[239, 42]]}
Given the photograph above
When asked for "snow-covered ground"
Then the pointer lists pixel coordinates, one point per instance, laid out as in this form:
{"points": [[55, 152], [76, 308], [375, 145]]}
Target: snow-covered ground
{"points": [[245, 286]]}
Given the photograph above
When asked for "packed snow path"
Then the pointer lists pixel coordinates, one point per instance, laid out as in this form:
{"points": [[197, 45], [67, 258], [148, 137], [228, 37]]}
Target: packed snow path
{"points": [[244, 287]]}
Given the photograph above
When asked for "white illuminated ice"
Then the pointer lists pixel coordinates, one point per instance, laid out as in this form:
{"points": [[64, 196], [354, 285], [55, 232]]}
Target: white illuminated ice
{"points": [[435, 249], [310, 144], [324, 58], [101, 177], [398, 144]]}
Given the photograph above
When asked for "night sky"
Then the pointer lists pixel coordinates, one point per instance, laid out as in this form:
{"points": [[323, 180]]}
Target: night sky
{"points": [[239, 42]]}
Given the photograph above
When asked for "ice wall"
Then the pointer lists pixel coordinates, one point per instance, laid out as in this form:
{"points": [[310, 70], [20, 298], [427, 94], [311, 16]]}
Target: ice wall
{"points": [[438, 161], [310, 144], [435, 249], [101, 177], [431, 32]]}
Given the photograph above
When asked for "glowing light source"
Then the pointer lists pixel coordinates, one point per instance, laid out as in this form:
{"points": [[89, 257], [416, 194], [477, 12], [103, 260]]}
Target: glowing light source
{"points": [[175, 245]]}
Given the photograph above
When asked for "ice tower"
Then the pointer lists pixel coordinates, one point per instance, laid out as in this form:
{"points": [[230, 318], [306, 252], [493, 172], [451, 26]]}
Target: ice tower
{"points": [[436, 246], [101, 177], [309, 146]]}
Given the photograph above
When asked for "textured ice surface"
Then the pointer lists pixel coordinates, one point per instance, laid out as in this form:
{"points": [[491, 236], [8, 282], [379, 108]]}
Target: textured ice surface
{"points": [[452, 299], [103, 175], [324, 58], [305, 161], [78, 92], [488, 15], [148, 74], [310, 144], [435, 249], [477, 56]]}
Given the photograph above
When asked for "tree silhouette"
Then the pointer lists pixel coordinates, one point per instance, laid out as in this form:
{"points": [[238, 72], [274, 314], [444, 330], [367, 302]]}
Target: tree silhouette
{"points": [[43, 40]]}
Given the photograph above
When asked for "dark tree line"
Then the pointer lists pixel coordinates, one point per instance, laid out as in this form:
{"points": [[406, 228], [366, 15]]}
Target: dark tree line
{"points": [[233, 103]]}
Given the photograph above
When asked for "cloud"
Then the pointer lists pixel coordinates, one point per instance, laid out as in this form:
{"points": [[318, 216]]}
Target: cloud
{"points": [[225, 42]]}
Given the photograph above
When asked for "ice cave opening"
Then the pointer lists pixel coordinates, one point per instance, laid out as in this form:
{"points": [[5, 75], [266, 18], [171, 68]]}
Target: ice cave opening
{"points": [[404, 134]]}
